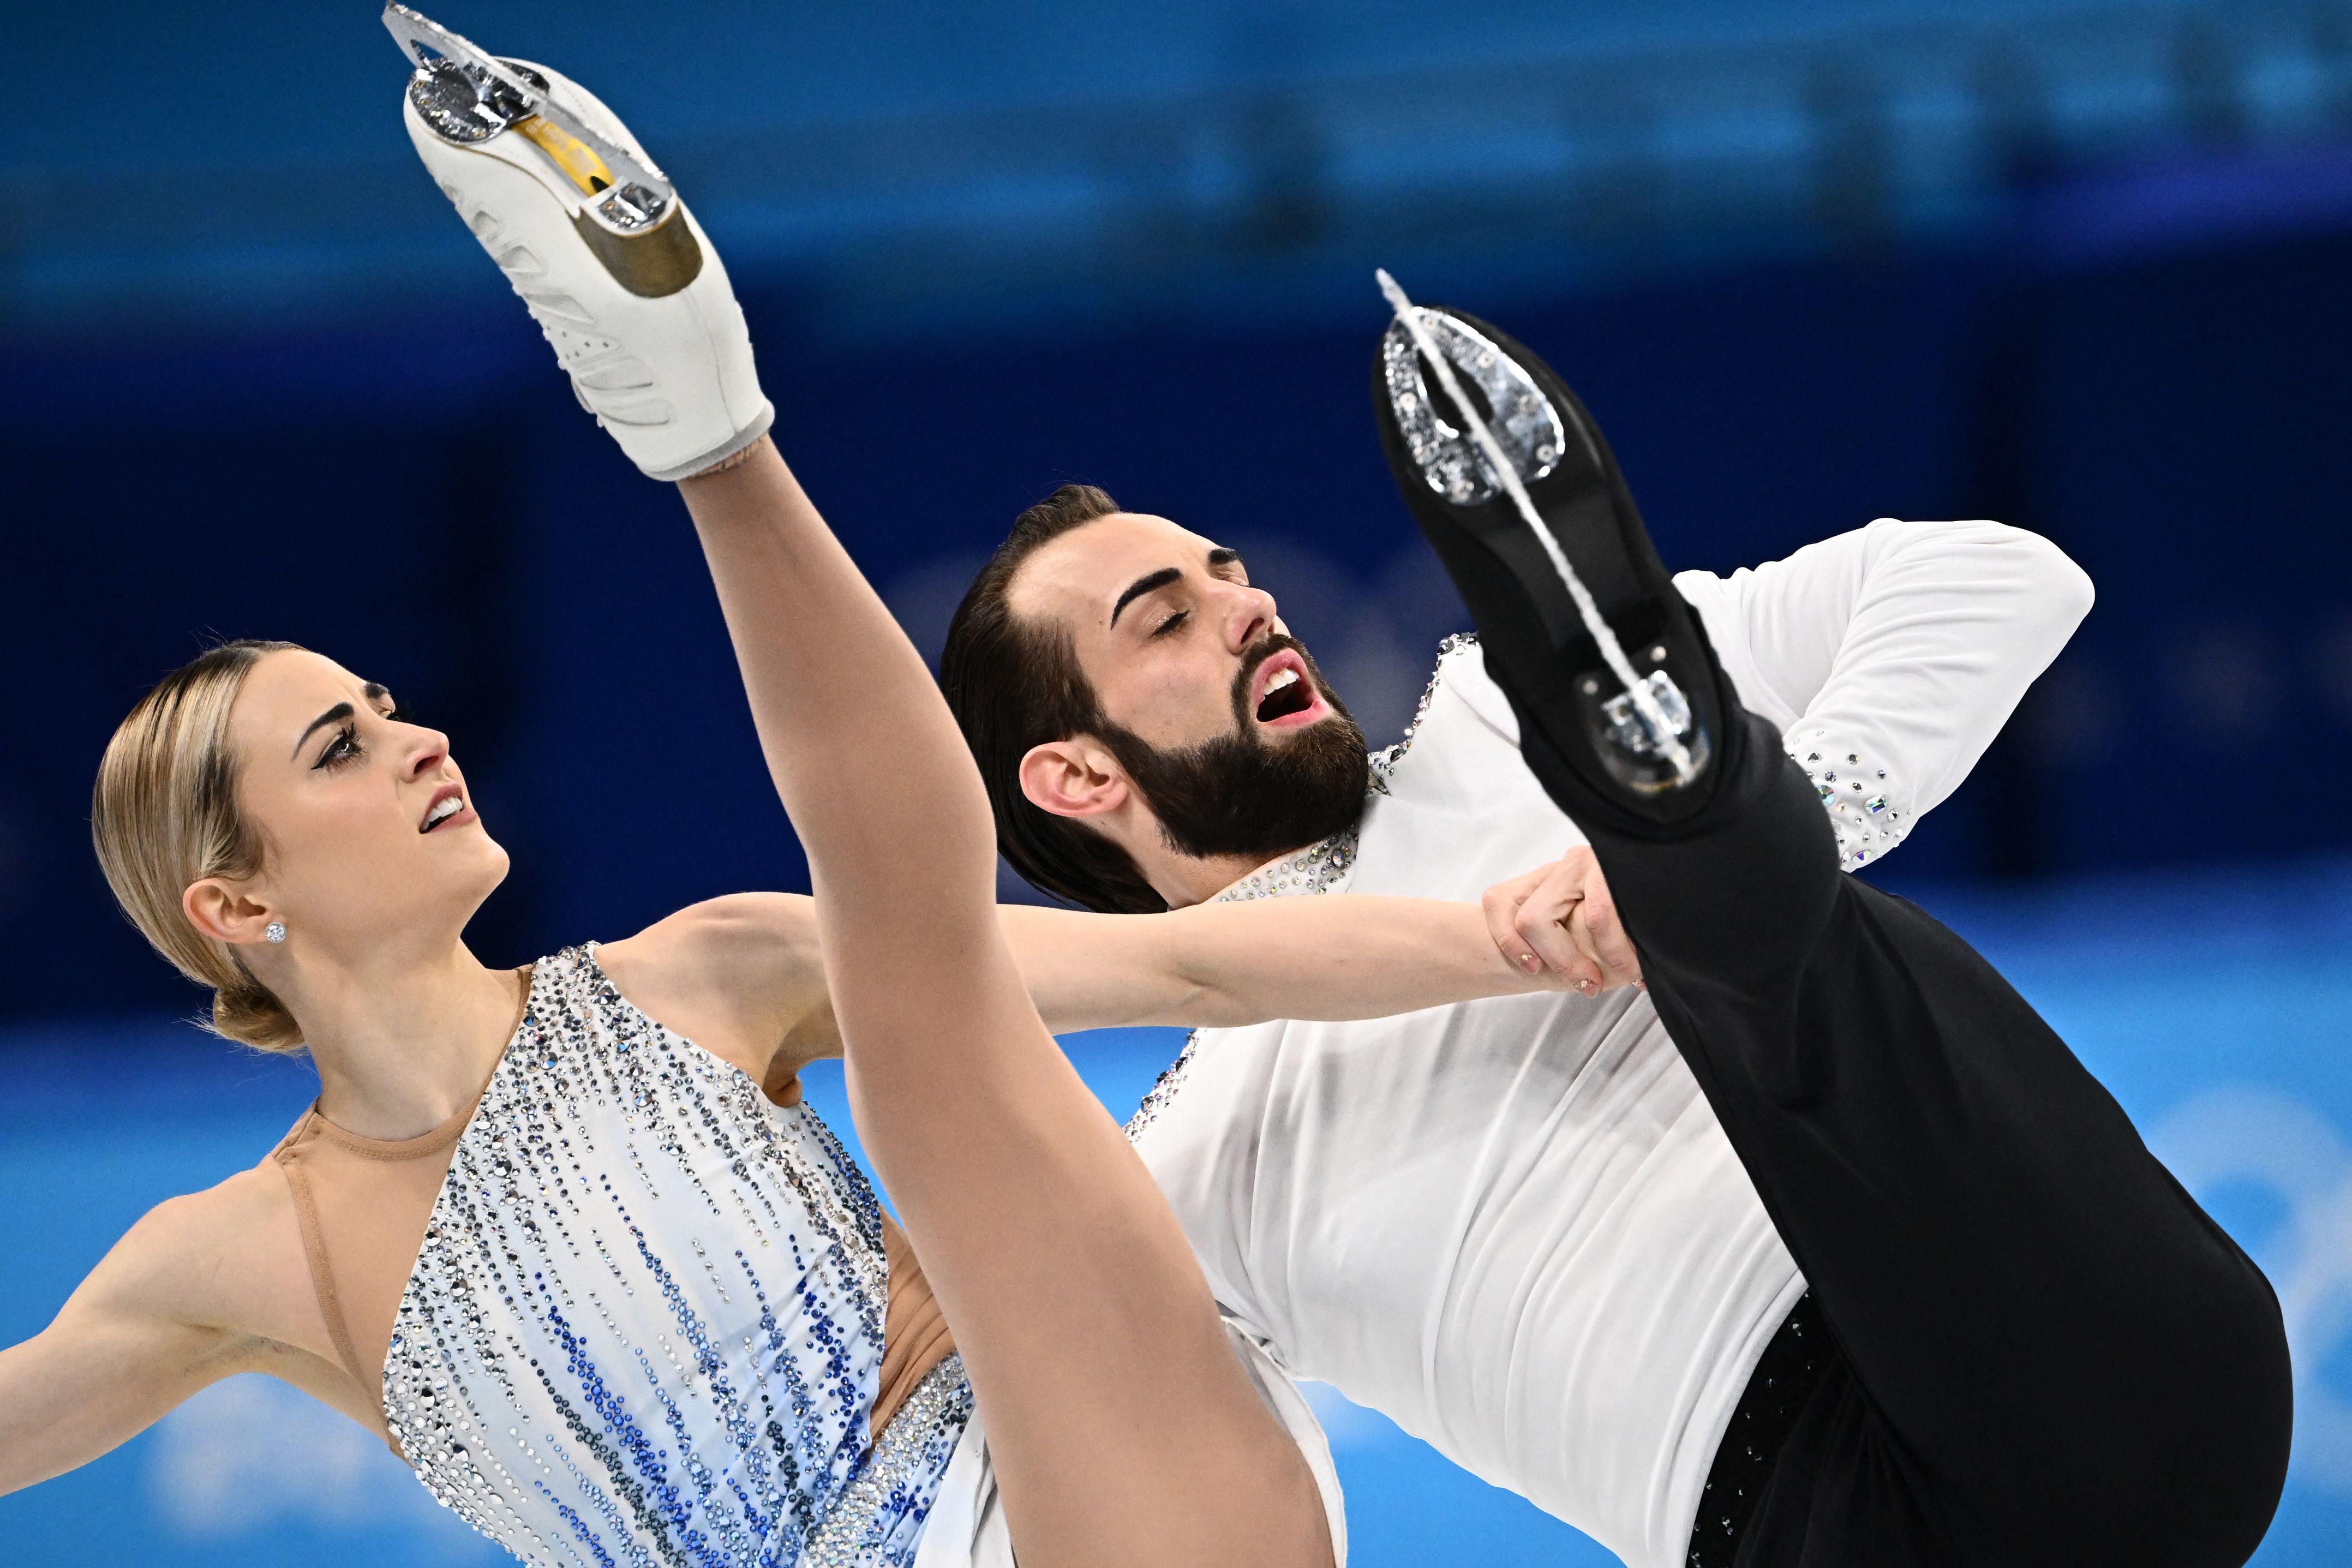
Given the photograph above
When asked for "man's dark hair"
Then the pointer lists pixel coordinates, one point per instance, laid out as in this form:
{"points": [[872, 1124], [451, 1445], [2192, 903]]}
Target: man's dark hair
{"points": [[1015, 685]]}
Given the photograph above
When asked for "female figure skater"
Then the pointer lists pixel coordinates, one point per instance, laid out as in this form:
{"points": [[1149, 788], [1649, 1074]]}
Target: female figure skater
{"points": [[543, 1229]]}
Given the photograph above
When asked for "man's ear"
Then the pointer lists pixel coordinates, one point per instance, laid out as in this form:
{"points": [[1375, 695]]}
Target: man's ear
{"points": [[225, 911], [1075, 778]]}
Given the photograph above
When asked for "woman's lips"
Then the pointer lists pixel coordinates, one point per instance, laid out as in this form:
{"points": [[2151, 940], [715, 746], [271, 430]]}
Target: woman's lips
{"points": [[447, 795]]}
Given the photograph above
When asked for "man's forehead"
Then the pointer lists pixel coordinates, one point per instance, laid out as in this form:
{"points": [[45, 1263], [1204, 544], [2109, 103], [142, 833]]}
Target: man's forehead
{"points": [[1080, 575]]}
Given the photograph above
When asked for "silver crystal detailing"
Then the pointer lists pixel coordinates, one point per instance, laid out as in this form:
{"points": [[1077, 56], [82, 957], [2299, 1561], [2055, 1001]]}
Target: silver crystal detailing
{"points": [[645, 1324], [880, 1517], [1855, 792], [1312, 869], [1385, 760], [1164, 1088], [1526, 425]]}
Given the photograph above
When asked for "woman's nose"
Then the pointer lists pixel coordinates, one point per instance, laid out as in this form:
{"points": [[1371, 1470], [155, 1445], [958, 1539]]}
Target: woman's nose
{"points": [[432, 749]]}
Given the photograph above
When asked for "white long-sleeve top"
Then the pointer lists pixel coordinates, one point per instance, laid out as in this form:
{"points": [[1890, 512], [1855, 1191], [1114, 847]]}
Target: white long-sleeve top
{"points": [[1514, 1226]]}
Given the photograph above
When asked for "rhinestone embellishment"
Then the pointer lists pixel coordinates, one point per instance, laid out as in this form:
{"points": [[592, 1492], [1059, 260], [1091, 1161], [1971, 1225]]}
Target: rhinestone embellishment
{"points": [[1525, 423], [1859, 797], [646, 1321]]}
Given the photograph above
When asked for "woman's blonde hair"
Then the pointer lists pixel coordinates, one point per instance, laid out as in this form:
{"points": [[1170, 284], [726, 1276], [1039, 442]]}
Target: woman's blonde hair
{"points": [[163, 815]]}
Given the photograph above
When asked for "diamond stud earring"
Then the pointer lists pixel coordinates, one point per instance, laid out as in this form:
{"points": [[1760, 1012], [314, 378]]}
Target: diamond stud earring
{"points": [[275, 930]]}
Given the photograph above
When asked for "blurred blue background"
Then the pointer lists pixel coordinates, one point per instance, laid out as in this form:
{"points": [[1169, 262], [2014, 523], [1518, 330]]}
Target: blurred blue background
{"points": [[2079, 267]]}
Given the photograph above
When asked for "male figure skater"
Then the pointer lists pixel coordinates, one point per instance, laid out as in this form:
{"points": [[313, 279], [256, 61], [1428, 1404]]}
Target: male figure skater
{"points": [[1568, 1240]]}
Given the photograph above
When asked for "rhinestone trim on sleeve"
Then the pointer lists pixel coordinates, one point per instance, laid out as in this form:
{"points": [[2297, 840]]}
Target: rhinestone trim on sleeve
{"points": [[1863, 804]]}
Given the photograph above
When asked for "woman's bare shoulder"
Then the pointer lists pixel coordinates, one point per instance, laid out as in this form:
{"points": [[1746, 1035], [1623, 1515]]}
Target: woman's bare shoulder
{"points": [[735, 975], [228, 1257]]}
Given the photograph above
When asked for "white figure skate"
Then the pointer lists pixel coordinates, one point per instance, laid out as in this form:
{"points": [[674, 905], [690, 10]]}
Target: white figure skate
{"points": [[593, 236]]}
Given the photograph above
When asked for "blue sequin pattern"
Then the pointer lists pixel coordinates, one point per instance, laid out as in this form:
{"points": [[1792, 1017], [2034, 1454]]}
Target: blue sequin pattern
{"points": [[645, 1323]]}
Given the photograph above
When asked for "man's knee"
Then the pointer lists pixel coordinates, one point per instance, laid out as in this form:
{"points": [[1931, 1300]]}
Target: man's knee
{"points": [[2193, 1474]]}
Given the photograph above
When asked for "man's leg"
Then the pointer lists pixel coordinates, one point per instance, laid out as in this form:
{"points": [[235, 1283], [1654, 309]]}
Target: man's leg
{"points": [[2048, 1353], [2051, 1353]]}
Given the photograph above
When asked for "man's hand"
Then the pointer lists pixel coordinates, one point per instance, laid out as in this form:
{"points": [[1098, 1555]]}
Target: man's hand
{"points": [[1562, 917]]}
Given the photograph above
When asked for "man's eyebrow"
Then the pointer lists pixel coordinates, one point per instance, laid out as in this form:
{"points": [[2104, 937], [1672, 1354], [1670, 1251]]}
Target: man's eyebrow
{"points": [[1219, 556], [1142, 585], [335, 715]]}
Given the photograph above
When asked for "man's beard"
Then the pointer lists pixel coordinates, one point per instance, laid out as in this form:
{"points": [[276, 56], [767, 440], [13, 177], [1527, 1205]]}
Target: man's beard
{"points": [[1239, 795]]}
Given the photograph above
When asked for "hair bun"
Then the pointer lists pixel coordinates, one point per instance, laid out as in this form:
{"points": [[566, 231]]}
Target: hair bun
{"points": [[251, 1015]]}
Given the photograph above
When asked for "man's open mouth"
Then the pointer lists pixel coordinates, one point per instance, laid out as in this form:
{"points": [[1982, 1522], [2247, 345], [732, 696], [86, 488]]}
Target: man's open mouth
{"points": [[1284, 694], [1283, 691]]}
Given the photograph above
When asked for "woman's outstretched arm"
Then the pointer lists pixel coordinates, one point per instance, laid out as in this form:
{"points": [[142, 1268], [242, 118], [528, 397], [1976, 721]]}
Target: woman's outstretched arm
{"points": [[130, 1344], [1221, 966], [1121, 1425]]}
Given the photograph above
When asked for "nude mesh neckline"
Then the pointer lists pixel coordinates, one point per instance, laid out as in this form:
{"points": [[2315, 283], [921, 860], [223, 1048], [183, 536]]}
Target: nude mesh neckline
{"points": [[315, 1127], [448, 1131]]}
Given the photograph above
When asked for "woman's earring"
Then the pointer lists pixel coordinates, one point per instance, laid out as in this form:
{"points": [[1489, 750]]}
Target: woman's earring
{"points": [[275, 930]]}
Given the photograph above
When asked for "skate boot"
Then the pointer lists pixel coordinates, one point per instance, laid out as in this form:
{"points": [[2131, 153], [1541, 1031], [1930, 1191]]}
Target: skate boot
{"points": [[588, 230], [1508, 477]]}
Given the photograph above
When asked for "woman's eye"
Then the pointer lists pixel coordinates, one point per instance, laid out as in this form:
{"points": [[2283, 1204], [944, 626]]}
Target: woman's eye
{"points": [[340, 749], [1170, 624]]}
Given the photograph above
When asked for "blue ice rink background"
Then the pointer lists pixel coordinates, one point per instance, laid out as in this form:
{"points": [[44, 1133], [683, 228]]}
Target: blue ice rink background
{"points": [[2218, 1007]]}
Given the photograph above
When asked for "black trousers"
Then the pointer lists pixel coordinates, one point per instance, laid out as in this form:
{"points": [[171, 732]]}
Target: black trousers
{"points": [[2045, 1352]]}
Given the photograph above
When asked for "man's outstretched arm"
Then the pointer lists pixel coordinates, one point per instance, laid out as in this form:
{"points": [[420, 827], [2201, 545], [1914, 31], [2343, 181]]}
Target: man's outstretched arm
{"points": [[1890, 658]]}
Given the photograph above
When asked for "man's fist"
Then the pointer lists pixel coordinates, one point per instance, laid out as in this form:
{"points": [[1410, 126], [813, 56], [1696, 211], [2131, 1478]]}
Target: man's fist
{"points": [[1560, 917]]}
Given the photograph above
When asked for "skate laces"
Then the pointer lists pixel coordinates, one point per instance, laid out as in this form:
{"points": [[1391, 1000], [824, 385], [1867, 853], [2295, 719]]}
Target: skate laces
{"points": [[1663, 731]]}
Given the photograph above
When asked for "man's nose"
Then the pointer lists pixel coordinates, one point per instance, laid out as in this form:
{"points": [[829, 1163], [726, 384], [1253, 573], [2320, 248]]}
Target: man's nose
{"points": [[1250, 617]]}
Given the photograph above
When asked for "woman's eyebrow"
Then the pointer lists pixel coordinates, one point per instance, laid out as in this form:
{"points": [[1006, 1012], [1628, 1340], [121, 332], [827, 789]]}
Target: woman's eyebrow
{"points": [[335, 715]]}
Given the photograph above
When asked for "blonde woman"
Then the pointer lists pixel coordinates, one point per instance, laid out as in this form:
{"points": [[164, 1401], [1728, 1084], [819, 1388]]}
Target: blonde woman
{"points": [[563, 1236]]}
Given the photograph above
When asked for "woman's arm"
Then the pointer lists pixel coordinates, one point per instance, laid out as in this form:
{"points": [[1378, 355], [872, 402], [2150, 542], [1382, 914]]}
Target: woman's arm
{"points": [[119, 1357], [750, 962], [1220, 965]]}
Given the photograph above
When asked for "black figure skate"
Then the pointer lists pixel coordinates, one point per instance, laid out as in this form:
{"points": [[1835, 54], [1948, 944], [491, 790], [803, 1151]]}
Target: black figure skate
{"points": [[1509, 478]]}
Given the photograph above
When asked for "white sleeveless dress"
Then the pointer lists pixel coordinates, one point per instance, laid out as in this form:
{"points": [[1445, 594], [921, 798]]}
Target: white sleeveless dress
{"points": [[645, 1323]]}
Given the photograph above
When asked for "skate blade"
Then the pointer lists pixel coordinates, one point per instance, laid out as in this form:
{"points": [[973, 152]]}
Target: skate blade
{"points": [[624, 193], [1642, 700]]}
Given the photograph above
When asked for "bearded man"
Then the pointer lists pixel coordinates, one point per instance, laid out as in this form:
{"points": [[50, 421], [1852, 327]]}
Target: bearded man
{"points": [[1519, 1228]]}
